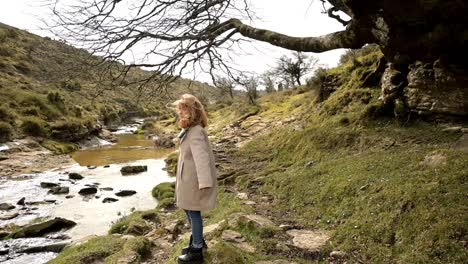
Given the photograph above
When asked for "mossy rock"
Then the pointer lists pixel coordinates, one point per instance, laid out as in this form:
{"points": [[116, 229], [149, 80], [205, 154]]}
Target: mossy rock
{"points": [[137, 223], [129, 170], [41, 229], [60, 147], [171, 163], [165, 194]]}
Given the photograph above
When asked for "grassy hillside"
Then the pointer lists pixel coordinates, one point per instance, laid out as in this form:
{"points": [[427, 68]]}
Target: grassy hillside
{"points": [[389, 191], [50, 89]]}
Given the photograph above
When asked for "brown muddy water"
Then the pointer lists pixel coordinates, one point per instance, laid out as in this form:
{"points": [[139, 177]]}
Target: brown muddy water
{"points": [[100, 167]]}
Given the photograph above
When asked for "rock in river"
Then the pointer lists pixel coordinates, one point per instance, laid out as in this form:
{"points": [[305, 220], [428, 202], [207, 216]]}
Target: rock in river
{"points": [[59, 190], [109, 200], [48, 185], [41, 229], [127, 170], [21, 201], [125, 193], [6, 206], [75, 176], [88, 190]]}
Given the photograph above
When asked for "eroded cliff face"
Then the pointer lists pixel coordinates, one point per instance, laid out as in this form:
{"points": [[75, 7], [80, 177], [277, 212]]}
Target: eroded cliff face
{"points": [[428, 89], [424, 42], [437, 89]]}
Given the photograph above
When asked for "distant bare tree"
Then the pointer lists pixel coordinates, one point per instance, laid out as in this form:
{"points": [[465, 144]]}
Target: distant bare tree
{"points": [[225, 86], [251, 85], [294, 68], [267, 81]]}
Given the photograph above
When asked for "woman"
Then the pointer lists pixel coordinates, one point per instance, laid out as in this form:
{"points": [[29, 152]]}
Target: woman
{"points": [[196, 184]]}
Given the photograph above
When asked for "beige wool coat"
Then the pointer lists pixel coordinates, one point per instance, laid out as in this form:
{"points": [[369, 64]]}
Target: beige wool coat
{"points": [[196, 177]]}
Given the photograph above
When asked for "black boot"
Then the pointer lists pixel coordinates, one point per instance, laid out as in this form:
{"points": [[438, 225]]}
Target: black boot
{"points": [[193, 256], [185, 249]]}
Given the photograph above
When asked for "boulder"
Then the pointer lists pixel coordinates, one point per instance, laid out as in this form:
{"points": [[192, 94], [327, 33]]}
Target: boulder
{"points": [[337, 254], [55, 247], [308, 240], [125, 193], [437, 89], [59, 190], [6, 206], [75, 176], [8, 216], [88, 191], [109, 200], [48, 185], [41, 229], [434, 160], [232, 236], [129, 170]]}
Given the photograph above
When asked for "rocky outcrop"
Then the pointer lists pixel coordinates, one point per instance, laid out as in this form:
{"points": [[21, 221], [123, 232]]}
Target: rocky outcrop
{"points": [[437, 89]]}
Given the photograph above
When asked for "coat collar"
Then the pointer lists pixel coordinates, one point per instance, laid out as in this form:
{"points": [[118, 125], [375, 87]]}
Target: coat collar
{"points": [[183, 134]]}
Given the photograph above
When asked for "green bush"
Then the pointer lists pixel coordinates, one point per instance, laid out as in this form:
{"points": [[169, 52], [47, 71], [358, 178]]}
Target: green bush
{"points": [[33, 126], [6, 131]]}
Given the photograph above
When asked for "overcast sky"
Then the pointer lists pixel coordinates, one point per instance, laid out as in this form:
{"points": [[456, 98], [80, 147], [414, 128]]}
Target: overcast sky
{"points": [[292, 17]]}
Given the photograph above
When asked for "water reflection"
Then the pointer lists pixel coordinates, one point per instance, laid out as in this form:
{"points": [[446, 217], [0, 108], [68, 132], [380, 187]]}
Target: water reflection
{"points": [[129, 148]]}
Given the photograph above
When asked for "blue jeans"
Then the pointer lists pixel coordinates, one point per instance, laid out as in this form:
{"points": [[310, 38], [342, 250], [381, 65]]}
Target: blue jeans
{"points": [[196, 222]]}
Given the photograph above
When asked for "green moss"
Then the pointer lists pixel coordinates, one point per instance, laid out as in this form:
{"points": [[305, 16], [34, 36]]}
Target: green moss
{"points": [[59, 147], [105, 249], [171, 163], [137, 223], [164, 193]]}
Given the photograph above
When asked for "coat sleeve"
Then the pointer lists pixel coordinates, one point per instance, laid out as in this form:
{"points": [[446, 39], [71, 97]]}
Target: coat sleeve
{"points": [[199, 145]]}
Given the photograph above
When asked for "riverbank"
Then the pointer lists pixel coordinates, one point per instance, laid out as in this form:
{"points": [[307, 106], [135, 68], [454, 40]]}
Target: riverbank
{"points": [[27, 156], [91, 181]]}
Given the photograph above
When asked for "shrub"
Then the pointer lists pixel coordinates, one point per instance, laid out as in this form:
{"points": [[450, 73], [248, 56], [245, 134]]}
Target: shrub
{"points": [[68, 130], [7, 115], [33, 126], [6, 131], [31, 111], [71, 85]]}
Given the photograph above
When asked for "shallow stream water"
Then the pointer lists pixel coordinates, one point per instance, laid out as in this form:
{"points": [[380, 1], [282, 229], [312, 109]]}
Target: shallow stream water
{"points": [[100, 167]]}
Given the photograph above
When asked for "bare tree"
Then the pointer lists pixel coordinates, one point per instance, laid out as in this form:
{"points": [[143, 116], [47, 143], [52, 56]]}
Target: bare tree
{"points": [[250, 83], [225, 86], [296, 67], [179, 36], [267, 81]]}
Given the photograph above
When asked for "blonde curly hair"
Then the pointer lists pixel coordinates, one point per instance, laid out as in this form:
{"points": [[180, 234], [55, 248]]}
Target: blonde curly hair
{"points": [[191, 111]]}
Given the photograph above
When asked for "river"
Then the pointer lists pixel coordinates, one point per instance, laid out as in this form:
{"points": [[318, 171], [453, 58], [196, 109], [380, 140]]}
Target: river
{"points": [[100, 167]]}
